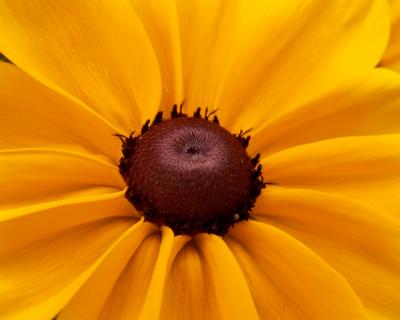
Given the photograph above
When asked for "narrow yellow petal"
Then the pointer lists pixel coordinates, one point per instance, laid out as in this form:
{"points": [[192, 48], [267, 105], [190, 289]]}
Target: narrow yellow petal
{"points": [[278, 265], [24, 225], [97, 51], [160, 20], [128, 295], [225, 280], [31, 176], [365, 169], [187, 294], [170, 246]]}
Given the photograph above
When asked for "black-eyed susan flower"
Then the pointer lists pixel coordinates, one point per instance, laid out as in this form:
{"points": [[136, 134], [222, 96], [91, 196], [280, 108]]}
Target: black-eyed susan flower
{"points": [[188, 221]]}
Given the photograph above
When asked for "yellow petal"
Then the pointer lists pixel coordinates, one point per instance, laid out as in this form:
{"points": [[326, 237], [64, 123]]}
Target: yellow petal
{"points": [[89, 301], [360, 243], [394, 10], [36, 281], [211, 34], [293, 50], [187, 294], [160, 20], [31, 176], [21, 226], [40, 117], [365, 169], [128, 295], [225, 280], [170, 246], [365, 105], [146, 286], [97, 51], [279, 269], [391, 59]]}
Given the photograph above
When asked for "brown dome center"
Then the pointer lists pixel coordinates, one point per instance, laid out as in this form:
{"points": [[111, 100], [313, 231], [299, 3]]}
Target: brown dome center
{"points": [[190, 174]]}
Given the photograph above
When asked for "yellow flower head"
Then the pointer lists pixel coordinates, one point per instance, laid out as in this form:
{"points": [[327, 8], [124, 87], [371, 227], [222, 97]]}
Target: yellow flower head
{"points": [[105, 215]]}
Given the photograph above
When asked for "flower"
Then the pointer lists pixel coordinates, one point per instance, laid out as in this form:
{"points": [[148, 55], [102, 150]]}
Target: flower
{"points": [[324, 239], [391, 58]]}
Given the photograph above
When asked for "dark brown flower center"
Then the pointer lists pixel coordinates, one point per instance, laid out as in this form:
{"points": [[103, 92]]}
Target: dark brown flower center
{"points": [[190, 174]]}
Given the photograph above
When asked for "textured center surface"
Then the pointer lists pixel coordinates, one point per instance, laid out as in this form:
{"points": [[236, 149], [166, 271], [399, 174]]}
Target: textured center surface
{"points": [[190, 174]]}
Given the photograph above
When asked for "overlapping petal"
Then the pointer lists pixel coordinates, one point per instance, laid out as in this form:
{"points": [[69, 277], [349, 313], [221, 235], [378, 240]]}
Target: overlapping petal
{"points": [[97, 51], [170, 247], [287, 280], [225, 279], [368, 104], [211, 34], [39, 279], [160, 19], [35, 116], [137, 290], [128, 295], [108, 271], [305, 48], [187, 286], [361, 243]]}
